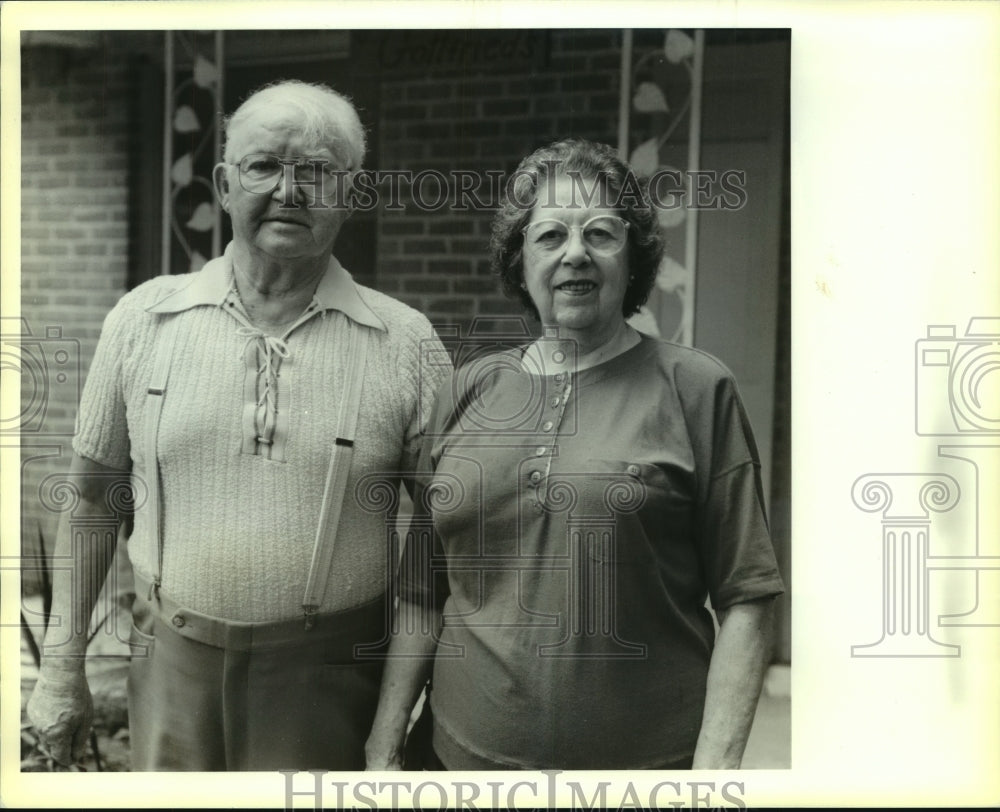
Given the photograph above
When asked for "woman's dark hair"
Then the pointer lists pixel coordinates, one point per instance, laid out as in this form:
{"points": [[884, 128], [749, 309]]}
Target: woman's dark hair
{"points": [[586, 161]]}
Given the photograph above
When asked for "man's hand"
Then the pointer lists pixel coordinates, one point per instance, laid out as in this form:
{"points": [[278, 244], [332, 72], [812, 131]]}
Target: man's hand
{"points": [[62, 711]]}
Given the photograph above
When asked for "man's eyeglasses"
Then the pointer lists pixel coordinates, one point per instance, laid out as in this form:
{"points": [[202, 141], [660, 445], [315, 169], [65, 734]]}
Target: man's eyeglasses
{"points": [[604, 235], [318, 179]]}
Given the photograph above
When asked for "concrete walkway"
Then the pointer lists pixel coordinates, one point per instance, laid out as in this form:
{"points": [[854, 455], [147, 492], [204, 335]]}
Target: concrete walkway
{"points": [[770, 746]]}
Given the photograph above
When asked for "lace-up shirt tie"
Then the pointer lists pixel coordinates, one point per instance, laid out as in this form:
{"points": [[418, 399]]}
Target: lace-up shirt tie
{"points": [[264, 418]]}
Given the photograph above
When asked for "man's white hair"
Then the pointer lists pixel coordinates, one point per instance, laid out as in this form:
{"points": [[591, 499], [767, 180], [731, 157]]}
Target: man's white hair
{"points": [[319, 113]]}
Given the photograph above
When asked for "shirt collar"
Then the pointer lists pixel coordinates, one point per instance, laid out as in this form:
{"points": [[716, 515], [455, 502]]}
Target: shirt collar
{"points": [[338, 291], [211, 285]]}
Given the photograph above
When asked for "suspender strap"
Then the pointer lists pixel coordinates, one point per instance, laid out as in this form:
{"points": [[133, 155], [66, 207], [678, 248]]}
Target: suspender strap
{"points": [[336, 478], [157, 391]]}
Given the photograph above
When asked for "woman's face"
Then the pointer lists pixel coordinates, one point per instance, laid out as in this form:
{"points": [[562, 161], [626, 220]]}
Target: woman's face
{"points": [[574, 286], [285, 223]]}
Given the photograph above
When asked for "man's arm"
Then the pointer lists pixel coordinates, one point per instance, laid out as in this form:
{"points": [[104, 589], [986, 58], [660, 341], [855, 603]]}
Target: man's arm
{"points": [[60, 706], [735, 676]]}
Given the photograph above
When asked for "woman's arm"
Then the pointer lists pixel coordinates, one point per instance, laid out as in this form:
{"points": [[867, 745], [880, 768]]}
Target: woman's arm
{"points": [[735, 676], [410, 658]]}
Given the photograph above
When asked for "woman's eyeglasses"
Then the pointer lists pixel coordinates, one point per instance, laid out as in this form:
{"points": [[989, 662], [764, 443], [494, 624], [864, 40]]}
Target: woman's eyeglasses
{"points": [[604, 235], [261, 173]]}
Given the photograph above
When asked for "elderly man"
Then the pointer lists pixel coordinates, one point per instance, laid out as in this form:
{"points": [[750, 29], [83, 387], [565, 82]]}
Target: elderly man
{"points": [[246, 402]]}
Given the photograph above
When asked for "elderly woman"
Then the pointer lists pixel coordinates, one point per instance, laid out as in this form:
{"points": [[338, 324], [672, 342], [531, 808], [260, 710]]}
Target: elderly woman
{"points": [[588, 494], [244, 403]]}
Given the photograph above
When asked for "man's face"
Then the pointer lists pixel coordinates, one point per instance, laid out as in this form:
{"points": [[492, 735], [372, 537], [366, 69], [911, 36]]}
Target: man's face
{"points": [[288, 222]]}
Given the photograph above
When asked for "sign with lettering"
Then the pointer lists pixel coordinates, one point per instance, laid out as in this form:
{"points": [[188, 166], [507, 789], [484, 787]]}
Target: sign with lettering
{"points": [[416, 52]]}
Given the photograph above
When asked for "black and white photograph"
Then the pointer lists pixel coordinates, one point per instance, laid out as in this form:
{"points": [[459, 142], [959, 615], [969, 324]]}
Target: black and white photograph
{"points": [[469, 408]]}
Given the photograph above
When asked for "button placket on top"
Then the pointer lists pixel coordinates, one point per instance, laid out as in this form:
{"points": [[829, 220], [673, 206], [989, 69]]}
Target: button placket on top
{"points": [[552, 421]]}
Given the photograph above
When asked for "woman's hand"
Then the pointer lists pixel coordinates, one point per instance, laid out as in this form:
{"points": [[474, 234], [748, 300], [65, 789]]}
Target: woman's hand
{"points": [[381, 755]]}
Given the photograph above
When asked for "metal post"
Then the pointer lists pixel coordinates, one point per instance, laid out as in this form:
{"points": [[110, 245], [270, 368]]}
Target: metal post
{"points": [[624, 94], [168, 152], [219, 88], [694, 162]]}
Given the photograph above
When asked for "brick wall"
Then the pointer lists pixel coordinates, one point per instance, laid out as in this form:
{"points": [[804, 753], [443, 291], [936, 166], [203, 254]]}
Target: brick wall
{"points": [[437, 261], [74, 242]]}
